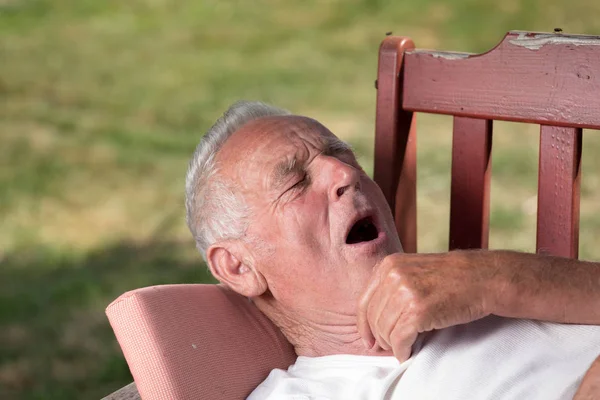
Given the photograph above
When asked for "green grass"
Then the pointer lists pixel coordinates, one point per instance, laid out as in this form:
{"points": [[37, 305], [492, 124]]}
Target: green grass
{"points": [[55, 341], [102, 103]]}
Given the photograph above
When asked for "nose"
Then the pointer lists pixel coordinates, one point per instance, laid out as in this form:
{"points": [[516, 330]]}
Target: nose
{"points": [[340, 176]]}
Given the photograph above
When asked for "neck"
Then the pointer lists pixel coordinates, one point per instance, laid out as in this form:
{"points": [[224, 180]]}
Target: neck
{"points": [[316, 333]]}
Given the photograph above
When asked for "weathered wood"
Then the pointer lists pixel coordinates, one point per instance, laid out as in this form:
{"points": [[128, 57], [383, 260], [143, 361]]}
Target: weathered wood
{"points": [[558, 191], [128, 392], [470, 187], [395, 142], [550, 79]]}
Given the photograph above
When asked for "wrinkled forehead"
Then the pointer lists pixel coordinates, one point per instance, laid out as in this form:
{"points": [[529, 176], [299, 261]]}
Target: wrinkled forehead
{"points": [[270, 138]]}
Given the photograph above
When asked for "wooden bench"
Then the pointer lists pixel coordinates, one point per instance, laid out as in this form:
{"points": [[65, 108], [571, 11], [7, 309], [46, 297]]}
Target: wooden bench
{"points": [[548, 79], [128, 392]]}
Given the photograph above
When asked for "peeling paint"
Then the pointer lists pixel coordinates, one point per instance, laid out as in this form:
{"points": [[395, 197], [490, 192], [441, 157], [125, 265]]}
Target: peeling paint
{"points": [[447, 55], [537, 41]]}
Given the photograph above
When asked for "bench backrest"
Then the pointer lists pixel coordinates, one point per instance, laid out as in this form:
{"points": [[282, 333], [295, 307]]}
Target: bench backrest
{"points": [[548, 79]]}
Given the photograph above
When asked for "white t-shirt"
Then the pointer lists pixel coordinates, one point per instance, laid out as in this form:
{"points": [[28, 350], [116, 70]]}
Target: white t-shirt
{"points": [[493, 358]]}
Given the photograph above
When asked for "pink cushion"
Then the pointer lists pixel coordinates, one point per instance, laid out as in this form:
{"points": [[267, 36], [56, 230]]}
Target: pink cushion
{"points": [[196, 342]]}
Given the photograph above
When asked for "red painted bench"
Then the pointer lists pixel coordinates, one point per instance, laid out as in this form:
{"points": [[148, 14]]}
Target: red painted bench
{"points": [[548, 79]]}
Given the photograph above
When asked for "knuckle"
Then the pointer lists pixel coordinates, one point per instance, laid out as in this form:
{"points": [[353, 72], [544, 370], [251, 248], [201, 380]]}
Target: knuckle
{"points": [[416, 310], [390, 260], [395, 276], [384, 265], [411, 296]]}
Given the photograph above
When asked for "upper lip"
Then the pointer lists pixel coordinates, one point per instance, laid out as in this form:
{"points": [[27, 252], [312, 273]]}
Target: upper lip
{"points": [[357, 217]]}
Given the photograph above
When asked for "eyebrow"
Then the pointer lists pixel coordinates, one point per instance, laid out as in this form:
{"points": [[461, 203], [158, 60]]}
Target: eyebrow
{"points": [[331, 147], [283, 170], [335, 146]]}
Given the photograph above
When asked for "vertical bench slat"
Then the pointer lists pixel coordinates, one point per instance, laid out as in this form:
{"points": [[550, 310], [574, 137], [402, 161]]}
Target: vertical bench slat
{"points": [[558, 191], [470, 187], [395, 142]]}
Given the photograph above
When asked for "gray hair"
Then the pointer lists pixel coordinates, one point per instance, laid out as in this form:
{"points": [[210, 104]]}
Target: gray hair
{"points": [[213, 210]]}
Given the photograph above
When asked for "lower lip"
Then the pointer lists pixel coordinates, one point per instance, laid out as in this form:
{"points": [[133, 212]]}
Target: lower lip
{"points": [[372, 246]]}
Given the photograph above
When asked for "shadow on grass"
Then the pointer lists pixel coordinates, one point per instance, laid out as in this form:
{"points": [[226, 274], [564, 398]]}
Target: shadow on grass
{"points": [[55, 341]]}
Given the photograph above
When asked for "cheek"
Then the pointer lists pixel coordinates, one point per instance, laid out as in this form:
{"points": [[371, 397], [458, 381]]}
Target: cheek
{"points": [[297, 283], [304, 223]]}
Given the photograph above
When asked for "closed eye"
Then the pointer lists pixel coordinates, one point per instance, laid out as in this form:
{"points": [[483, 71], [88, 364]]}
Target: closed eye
{"points": [[300, 184]]}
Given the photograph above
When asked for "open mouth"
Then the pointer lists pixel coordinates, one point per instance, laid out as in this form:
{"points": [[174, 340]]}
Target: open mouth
{"points": [[363, 230]]}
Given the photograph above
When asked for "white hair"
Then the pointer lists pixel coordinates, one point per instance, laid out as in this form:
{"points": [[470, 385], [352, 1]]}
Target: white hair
{"points": [[213, 210]]}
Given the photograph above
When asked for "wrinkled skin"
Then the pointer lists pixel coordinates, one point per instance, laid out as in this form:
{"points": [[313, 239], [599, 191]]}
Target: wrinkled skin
{"points": [[294, 261], [332, 298], [414, 293], [404, 299]]}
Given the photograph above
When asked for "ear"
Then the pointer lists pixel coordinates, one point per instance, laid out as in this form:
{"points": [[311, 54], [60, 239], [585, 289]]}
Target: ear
{"points": [[229, 263]]}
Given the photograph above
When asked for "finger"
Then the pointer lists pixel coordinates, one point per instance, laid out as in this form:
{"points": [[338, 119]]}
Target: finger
{"points": [[374, 310], [403, 337], [391, 314], [365, 325], [384, 312], [364, 328]]}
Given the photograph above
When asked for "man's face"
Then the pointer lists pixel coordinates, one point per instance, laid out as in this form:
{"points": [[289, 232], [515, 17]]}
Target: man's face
{"points": [[318, 223]]}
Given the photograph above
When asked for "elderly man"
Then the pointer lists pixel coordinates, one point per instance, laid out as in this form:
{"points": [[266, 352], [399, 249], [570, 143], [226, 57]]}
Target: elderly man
{"points": [[283, 214]]}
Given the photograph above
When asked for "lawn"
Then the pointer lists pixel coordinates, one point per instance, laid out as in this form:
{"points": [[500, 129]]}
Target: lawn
{"points": [[103, 102]]}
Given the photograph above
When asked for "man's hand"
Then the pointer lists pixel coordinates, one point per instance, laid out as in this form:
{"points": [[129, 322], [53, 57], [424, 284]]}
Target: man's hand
{"points": [[412, 293], [590, 386]]}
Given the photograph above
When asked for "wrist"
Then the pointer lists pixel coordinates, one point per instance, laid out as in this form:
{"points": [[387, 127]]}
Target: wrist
{"points": [[499, 291]]}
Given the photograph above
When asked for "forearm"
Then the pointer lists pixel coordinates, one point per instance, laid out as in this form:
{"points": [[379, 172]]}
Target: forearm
{"points": [[546, 288]]}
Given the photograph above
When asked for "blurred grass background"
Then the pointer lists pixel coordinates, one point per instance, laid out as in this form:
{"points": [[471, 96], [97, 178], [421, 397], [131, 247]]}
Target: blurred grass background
{"points": [[103, 102]]}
